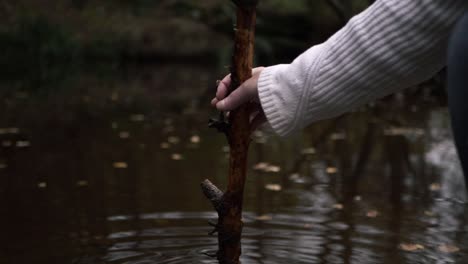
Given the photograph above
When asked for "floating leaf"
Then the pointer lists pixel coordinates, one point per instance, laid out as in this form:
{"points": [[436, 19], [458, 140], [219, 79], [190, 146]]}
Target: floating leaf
{"points": [[3, 166], [173, 140], [195, 139], [42, 185], [435, 187], [403, 131], [357, 198], [165, 145], [120, 165], [82, 183], [338, 136], [137, 118], [3, 131], [23, 144], [7, 143], [273, 187], [428, 213], [266, 167], [411, 247], [226, 149], [176, 156], [114, 125], [332, 170], [13, 130], [338, 206], [124, 134], [372, 214], [264, 218], [308, 151], [114, 96], [448, 248], [260, 166]]}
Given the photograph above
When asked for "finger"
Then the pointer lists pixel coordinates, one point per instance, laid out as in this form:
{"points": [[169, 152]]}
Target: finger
{"points": [[241, 95], [223, 87], [214, 101]]}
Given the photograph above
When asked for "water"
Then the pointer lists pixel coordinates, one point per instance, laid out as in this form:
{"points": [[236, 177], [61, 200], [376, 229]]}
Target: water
{"points": [[105, 168]]}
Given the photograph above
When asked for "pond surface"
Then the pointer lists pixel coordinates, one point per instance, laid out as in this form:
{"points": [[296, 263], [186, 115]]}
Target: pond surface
{"points": [[105, 168]]}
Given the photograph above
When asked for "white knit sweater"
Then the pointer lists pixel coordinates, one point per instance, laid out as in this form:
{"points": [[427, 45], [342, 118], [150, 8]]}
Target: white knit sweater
{"points": [[393, 44]]}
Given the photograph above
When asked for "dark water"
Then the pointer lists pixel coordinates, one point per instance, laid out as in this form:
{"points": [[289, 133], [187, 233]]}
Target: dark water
{"points": [[105, 168]]}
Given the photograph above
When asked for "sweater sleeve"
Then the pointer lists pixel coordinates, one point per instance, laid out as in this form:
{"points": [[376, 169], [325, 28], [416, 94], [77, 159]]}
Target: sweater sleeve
{"points": [[393, 44]]}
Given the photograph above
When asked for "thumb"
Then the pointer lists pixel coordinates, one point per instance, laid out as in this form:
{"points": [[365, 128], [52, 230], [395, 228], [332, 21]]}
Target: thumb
{"points": [[246, 92]]}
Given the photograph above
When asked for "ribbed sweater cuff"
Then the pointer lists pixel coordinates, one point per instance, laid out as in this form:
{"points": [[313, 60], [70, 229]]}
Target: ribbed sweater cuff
{"points": [[267, 83]]}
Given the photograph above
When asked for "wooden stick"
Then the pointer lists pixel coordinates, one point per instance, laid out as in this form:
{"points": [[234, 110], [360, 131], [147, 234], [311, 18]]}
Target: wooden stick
{"points": [[229, 204]]}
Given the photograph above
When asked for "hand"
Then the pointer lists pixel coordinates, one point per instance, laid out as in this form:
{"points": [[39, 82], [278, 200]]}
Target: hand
{"points": [[247, 92]]}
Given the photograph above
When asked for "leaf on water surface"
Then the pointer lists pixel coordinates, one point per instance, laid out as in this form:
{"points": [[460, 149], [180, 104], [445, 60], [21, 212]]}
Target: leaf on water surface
{"points": [[357, 198], [23, 144], [114, 96], [448, 248], [372, 214], [177, 156], [434, 187], [173, 140], [264, 218], [42, 185], [82, 183], [165, 145], [338, 136], [137, 118], [411, 247], [266, 167], [13, 130], [429, 213], [120, 165], [226, 149], [195, 139], [7, 143], [114, 125], [403, 131], [332, 170], [308, 151], [338, 206], [3, 131], [124, 134], [3, 166], [273, 187]]}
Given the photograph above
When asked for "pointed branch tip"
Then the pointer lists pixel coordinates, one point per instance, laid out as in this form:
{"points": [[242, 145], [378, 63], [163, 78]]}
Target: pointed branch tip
{"points": [[213, 193]]}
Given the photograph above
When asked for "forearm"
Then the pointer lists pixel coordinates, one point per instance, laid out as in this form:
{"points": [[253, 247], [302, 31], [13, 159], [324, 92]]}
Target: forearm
{"points": [[393, 44]]}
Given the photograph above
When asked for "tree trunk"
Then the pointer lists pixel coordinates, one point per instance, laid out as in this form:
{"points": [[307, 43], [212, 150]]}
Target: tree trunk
{"points": [[229, 204]]}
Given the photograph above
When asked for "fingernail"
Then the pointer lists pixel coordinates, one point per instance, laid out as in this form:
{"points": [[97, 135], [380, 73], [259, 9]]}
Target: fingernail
{"points": [[220, 105]]}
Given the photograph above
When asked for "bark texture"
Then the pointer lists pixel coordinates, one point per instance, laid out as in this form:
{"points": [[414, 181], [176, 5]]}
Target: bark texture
{"points": [[228, 204]]}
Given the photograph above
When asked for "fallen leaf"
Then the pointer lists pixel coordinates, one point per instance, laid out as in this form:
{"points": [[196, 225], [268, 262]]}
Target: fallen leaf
{"points": [[308, 151], [22, 144], [114, 96], [332, 170], [226, 149], [7, 143], [82, 183], [273, 187], [42, 185], [114, 125], [357, 198], [3, 131], [372, 214], [124, 134], [411, 247], [195, 139], [448, 248], [260, 166], [338, 136], [173, 140], [428, 213], [176, 156], [13, 130], [264, 218], [435, 187], [137, 118], [120, 165], [165, 145], [338, 206], [3, 166]]}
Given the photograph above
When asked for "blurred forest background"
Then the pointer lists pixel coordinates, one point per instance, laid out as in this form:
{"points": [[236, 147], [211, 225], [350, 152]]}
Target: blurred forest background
{"points": [[44, 33]]}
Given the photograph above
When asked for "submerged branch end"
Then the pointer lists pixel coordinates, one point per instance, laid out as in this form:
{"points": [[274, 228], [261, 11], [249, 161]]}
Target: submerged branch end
{"points": [[213, 193]]}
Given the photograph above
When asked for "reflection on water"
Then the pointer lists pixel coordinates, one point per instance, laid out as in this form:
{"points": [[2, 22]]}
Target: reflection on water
{"points": [[106, 169]]}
